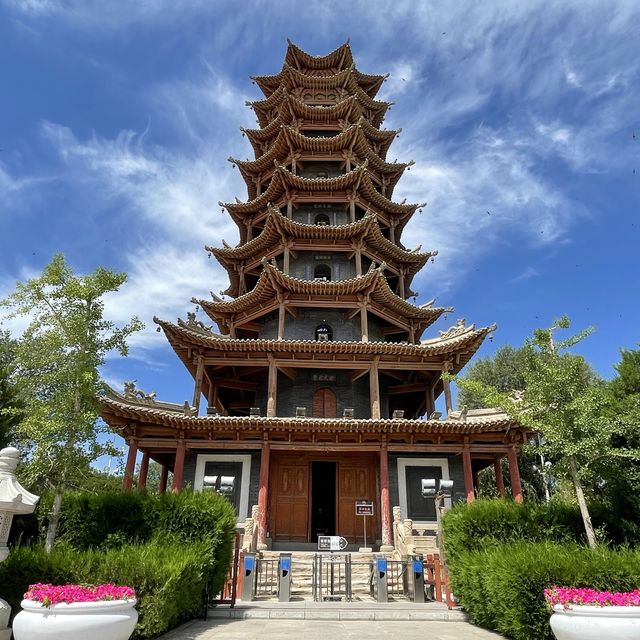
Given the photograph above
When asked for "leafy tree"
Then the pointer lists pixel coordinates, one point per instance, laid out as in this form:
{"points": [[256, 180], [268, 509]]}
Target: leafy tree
{"points": [[504, 371], [11, 405], [620, 484], [57, 361], [565, 403]]}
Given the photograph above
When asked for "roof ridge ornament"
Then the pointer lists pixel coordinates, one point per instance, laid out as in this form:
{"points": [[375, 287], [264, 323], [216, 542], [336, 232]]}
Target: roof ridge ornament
{"points": [[132, 392]]}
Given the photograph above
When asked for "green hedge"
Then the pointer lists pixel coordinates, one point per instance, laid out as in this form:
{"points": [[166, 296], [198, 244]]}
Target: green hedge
{"points": [[502, 587], [165, 546], [489, 522], [168, 578]]}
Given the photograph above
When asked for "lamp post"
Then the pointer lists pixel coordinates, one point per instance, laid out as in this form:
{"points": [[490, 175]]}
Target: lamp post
{"points": [[14, 499]]}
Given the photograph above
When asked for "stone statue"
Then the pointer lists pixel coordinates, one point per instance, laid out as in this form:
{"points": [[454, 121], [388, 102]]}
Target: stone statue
{"points": [[131, 392], [457, 329], [193, 323]]}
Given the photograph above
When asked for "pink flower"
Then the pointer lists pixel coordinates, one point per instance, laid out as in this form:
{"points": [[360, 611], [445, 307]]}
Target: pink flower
{"points": [[50, 594], [568, 596]]}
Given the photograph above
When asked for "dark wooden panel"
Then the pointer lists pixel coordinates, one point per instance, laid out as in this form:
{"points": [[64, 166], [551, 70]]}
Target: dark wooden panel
{"points": [[290, 499]]}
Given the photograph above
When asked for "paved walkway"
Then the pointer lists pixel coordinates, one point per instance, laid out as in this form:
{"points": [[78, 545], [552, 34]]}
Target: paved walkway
{"points": [[273, 629]]}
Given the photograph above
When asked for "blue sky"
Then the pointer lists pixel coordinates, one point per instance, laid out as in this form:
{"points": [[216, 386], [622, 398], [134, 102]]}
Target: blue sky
{"points": [[116, 120]]}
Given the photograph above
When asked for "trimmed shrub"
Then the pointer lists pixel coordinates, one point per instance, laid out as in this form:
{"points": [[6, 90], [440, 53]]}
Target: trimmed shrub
{"points": [[487, 523], [168, 578], [167, 547], [502, 587]]}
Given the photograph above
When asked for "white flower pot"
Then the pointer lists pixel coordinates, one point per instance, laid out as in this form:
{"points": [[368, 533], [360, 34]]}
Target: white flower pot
{"points": [[103, 620], [587, 622]]}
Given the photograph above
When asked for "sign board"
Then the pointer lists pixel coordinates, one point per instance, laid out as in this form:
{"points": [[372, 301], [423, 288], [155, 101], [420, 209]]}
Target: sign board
{"points": [[364, 508], [332, 543]]}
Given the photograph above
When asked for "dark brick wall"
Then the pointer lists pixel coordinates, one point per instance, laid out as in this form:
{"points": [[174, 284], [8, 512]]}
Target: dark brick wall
{"points": [[455, 474], [304, 326], [304, 267], [254, 478]]}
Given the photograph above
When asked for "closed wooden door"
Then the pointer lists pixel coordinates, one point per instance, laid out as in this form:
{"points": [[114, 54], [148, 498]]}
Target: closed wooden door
{"points": [[356, 481], [324, 404], [290, 499]]}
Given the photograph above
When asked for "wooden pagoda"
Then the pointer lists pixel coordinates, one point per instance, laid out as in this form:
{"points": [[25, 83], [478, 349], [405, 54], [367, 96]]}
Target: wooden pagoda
{"points": [[319, 388]]}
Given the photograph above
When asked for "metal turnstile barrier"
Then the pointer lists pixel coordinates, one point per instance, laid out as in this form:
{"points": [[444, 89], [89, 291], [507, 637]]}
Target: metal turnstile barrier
{"points": [[248, 576], [415, 571], [284, 577], [266, 583], [397, 578], [378, 582], [332, 577]]}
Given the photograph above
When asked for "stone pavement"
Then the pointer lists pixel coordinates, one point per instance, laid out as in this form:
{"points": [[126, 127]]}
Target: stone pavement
{"points": [[319, 629]]}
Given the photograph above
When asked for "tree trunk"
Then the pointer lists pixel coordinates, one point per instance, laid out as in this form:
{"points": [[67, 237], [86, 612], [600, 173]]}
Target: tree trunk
{"points": [[52, 529], [584, 510]]}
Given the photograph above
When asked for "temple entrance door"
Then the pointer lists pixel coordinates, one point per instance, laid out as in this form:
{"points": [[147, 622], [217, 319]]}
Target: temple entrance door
{"points": [[356, 481], [323, 499], [289, 507], [324, 404]]}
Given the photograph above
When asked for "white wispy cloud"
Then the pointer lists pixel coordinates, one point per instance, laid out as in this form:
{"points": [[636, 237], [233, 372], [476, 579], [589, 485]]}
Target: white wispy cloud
{"points": [[527, 274]]}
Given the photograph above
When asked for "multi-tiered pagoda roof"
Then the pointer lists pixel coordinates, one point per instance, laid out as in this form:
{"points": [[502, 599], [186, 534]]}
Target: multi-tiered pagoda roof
{"points": [[319, 297]]}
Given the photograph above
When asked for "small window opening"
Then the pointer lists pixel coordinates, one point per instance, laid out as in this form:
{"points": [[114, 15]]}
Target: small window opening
{"points": [[324, 333], [322, 272]]}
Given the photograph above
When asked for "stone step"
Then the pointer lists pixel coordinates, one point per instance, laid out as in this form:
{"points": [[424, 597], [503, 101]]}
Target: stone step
{"points": [[363, 610]]}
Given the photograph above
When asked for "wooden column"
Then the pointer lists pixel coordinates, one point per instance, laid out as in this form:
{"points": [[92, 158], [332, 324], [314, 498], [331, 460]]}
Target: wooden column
{"points": [[178, 467], [198, 386], [286, 258], [359, 261], [431, 400], [401, 283], [289, 209], [392, 230], [281, 316], [352, 210], [374, 389], [263, 495], [385, 508], [272, 388], [164, 475], [127, 481], [447, 389], [249, 226], [364, 322], [514, 472], [468, 474], [497, 465], [144, 471], [243, 281]]}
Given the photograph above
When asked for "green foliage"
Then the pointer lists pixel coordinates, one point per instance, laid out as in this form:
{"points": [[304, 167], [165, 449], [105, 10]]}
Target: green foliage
{"points": [[502, 587], [485, 524], [57, 360], [504, 371], [11, 403], [168, 577], [166, 546]]}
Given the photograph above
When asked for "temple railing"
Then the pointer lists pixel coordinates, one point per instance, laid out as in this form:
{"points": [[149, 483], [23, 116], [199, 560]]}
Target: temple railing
{"points": [[250, 537]]}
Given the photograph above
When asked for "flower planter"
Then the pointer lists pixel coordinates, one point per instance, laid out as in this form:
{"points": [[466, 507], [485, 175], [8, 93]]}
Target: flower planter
{"points": [[590, 622], [102, 620]]}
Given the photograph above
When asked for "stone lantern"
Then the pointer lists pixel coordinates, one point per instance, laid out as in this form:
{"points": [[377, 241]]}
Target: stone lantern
{"points": [[14, 499]]}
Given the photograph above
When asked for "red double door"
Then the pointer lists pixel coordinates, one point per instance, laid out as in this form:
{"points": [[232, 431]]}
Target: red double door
{"points": [[291, 496]]}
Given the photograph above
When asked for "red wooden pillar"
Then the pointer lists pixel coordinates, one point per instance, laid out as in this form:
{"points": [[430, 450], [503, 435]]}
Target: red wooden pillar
{"points": [[178, 467], [497, 465], [468, 474], [263, 494], [514, 472], [164, 475], [144, 471], [385, 509], [127, 481]]}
